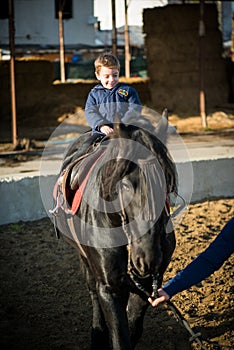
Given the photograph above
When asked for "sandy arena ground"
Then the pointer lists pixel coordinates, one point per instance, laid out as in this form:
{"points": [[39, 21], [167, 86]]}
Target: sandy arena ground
{"points": [[45, 304]]}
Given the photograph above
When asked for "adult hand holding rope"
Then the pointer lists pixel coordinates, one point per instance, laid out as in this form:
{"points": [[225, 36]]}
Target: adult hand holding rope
{"points": [[201, 267]]}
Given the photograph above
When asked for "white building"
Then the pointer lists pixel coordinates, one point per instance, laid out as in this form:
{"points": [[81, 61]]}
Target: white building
{"points": [[36, 23]]}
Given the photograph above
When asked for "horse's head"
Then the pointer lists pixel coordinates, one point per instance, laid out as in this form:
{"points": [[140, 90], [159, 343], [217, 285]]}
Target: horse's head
{"points": [[138, 178]]}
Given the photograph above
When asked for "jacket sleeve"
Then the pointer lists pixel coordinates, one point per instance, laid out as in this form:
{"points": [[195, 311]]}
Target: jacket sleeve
{"points": [[92, 114], [206, 263]]}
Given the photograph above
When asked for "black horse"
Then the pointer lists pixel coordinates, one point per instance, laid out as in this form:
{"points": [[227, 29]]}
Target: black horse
{"points": [[117, 214]]}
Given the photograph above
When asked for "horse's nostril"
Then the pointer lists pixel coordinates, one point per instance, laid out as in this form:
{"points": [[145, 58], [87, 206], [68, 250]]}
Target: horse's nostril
{"points": [[141, 265], [138, 263]]}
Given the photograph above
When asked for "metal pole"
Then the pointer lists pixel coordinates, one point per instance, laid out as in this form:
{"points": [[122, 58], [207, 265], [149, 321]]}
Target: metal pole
{"points": [[126, 41], [202, 65], [61, 42], [12, 70], [114, 32]]}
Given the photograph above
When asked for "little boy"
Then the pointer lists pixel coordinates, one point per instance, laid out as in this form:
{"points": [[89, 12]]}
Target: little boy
{"points": [[110, 98]]}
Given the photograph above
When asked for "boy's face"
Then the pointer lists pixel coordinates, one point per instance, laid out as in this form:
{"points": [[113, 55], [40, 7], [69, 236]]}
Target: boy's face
{"points": [[108, 77]]}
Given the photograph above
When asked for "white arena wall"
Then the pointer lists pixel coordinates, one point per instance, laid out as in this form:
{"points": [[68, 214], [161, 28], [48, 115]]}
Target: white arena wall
{"points": [[21, 198]]}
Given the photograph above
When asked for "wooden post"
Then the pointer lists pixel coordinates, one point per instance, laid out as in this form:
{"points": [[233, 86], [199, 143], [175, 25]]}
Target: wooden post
{"points": [[114, 32], [126, 41], [202, 65], [12, 70], [61, 41]]}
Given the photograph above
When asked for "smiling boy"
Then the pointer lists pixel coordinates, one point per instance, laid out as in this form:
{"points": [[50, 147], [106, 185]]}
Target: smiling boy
{"points": [[110, 97]]}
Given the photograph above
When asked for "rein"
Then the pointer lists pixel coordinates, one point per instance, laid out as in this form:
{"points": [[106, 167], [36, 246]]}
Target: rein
{"points": [[155, 278], [132, 274]]}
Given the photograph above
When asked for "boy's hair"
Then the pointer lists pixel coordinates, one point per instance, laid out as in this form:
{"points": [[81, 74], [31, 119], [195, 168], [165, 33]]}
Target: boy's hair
{"points": [[106, 60]]}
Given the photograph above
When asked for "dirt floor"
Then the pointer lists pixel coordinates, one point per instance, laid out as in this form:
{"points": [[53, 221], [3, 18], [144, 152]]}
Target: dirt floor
{"points": [[45, 304]]}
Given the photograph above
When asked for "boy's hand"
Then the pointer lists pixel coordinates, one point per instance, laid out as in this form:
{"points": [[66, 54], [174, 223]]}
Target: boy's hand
{"points": [[105, 129], [162, 296]]}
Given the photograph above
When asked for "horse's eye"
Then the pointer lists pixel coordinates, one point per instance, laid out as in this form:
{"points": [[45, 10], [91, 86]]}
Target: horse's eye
{"points": [[126, 185]]}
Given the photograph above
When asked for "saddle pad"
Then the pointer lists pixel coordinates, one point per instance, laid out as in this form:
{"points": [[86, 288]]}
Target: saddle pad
{"points": [[79, 177], [69, 188]]}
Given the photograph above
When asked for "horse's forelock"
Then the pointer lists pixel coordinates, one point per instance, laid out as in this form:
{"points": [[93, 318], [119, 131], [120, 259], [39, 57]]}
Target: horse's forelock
{"points": [[110, 174], [159, 150], [117, 160]]}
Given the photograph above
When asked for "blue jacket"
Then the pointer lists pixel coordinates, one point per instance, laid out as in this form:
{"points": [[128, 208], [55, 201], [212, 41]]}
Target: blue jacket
{"points": [[103, 105], [206, 263]]}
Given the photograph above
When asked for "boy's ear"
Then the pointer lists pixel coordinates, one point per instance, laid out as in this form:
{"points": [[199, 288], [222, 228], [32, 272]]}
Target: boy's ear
{"points": [[97, 76]]}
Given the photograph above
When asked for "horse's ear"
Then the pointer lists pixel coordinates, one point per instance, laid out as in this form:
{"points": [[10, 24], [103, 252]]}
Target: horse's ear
{"points": [[117, 131], [117, 126], [165, 114], [120, 130], [161, 129]]}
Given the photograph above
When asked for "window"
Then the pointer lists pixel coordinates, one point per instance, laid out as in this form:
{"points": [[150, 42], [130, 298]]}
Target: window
{"points": [[65, 6]]}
